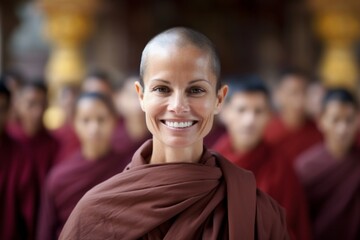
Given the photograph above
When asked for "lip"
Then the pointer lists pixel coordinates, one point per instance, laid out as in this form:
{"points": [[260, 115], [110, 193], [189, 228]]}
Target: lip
{"points": [[179, 124]]}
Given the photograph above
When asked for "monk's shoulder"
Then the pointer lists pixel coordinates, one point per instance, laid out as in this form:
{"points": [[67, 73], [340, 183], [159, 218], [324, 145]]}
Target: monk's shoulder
{"points": [[270, 218]]}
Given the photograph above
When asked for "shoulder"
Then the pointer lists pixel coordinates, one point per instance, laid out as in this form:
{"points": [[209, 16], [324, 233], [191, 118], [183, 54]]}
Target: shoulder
{"points": [[270, 218], [309, 158]]}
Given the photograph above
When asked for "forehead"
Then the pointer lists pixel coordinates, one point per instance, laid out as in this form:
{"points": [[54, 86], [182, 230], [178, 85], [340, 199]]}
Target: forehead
{"points": [[293, 82], [32, 92]]}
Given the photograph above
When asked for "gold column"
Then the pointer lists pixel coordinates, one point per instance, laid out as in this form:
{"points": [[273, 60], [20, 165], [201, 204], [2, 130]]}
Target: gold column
{"points": [[68, 24], [337, 23]]}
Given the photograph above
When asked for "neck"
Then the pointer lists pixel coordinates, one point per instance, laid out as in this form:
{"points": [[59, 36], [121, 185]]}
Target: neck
{"points": [[30, 130], [167, 154], [336, 150], [136, 127], [94, 153], [241, 146], [293, 120]]}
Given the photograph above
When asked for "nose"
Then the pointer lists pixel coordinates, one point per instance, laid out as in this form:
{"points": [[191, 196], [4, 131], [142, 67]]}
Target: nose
{"points": [[178, 103], [93, 129], [249, 118]]}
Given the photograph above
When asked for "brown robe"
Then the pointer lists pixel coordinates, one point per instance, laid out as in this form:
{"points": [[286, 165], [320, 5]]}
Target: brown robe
{"points": [[212, 199], [333, 190]]}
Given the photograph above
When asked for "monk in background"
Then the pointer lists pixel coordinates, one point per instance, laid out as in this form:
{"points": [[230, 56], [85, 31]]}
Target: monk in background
{"points": [[17, 186], [174, 188], [245, 115], [95, 162], [291, 128], [131, 131], [330, 171], [28, 129]]}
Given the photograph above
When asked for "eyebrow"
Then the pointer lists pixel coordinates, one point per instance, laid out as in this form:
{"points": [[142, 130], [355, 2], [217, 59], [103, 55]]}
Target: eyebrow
{"points": [[191, 82]]}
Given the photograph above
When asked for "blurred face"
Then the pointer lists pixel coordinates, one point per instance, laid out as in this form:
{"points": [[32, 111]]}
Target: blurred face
{"points": [[127, 101], [179, 96], [4, 105], [31, 105], [94, 123], [95, 85], [339, 124], [291, 94], [245, 117]]}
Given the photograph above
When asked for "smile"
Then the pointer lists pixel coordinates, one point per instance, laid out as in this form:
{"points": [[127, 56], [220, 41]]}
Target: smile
{"points": [[178, 124]]}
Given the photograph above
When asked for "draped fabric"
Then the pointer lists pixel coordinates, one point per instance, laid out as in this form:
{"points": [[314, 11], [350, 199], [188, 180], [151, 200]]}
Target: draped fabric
{"points": [[275, 177], [212, 199], [333, 191], [66, 185]]}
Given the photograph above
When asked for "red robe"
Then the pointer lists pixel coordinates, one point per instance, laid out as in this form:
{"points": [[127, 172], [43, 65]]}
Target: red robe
{"points": [[292, 141], [275, 177], [42, 149], [333, 191], [68, 141], [17, 192], [66, 185], [211, 199]]}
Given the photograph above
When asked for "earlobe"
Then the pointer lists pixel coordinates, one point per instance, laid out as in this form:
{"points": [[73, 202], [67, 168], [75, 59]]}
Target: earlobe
{"points": [[140, 92]]}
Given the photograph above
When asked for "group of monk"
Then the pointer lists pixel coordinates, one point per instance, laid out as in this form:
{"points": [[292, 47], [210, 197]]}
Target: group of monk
{"points": [[144, 157]]}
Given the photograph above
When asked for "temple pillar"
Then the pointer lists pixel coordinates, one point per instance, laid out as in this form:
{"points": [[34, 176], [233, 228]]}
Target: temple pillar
{"points": [[68, 24], [337, 23]]}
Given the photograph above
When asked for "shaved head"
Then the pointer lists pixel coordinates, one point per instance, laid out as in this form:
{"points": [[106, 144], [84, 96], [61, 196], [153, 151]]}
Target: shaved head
{"points": [[181, 37]]}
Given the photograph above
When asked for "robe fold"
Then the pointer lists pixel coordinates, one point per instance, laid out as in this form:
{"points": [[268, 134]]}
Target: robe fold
{"points": [[17, 192], [68, 142], [42, 150], [293, 142], [212, 199], [67, 183], [333, 191], [275, 177]]}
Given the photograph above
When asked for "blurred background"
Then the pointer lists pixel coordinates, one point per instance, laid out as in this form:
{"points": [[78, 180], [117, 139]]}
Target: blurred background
{"points": [[64, 39]]}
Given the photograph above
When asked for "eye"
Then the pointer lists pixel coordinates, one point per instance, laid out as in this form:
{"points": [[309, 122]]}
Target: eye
{"points": [[196, 91], [161, 89]]}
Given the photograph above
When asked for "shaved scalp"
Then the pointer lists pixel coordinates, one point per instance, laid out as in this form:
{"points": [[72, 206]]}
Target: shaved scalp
{"points": [[181, 37]]}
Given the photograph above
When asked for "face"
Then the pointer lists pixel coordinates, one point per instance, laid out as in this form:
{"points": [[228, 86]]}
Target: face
{"points": [[246, 116], [94, 123], [179, 96], [95, 85], [339, 124], [31, 105], [127, 102], [291, 94], [4, 105]]}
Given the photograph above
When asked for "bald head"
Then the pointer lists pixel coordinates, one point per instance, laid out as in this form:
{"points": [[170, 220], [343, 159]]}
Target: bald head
{"points": [[181, 37]]}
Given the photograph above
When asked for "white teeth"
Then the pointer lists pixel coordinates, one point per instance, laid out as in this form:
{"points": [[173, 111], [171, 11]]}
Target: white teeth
{"points": [[179, 124]]}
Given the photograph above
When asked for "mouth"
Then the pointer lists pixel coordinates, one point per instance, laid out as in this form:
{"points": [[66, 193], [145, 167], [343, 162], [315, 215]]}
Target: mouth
{"points": [[178, 124]]}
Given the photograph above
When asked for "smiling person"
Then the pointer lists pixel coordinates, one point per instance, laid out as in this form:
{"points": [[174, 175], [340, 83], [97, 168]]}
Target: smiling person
{"points": [[94, 163], [174, 188], [245, 115], [330, 171]]}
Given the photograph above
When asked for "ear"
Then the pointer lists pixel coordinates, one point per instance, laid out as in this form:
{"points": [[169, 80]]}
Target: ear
{"points": [[221, 95], [140, 92]]}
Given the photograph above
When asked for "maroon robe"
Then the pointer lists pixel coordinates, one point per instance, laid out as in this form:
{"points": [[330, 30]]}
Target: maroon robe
{"points": [[17, 192], [275, 177], [68, 141], [292, 141], [333, 191], [42, 149], [212, 199], [66, 185]]}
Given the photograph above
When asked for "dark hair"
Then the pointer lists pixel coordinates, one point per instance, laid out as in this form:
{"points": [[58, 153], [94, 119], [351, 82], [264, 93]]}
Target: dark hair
{"points": [[38, 84], [293, 71], [181, 36], [247, 84], [339, 95], [101, 76], [5, 92], [98, 96]]}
